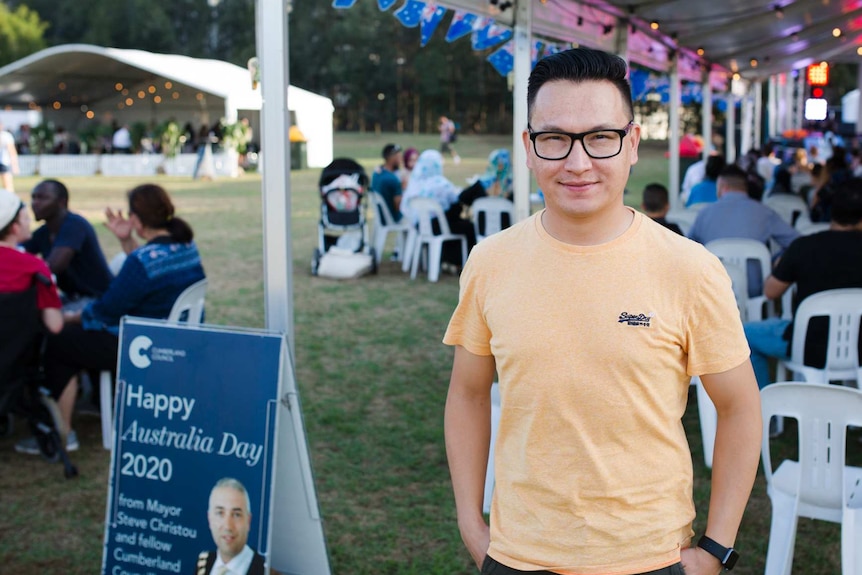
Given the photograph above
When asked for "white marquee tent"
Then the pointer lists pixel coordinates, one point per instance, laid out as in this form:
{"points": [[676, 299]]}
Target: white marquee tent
{"points": [[67, 82]]}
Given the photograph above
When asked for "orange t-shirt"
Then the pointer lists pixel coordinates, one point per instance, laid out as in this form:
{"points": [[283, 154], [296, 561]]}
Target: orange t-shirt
{"points": [[594, 348]]}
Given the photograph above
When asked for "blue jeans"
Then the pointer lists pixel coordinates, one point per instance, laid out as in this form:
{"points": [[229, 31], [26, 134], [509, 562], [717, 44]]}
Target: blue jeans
{"points": [[766, 339]]}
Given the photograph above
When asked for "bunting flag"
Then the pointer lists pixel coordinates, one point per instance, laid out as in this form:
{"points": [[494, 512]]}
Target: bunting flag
{"points": [[411, 13], [535, 51], [503, 60], [551, 49], [462, 24], [431, 17], [385, 5], [343, 4], [487, 34]]}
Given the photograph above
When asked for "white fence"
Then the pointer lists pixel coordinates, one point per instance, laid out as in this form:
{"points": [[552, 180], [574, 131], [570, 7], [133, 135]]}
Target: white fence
{"points": [[118, 165]]}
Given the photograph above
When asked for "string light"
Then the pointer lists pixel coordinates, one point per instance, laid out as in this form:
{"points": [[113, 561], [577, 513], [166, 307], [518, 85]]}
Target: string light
{"points": [[654, 24], [836, 32]]}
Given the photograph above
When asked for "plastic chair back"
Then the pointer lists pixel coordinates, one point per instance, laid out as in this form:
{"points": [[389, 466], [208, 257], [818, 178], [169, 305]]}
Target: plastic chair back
{"points": [[739, 251], [381, 210], [189, 305], [683, 218], [426, 211], [843, 307], [791, 208], [823, 413], [488, 215], [739, 282]]}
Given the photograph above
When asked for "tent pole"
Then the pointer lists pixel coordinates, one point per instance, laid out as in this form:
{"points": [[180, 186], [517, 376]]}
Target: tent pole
{"points": [[706, 114], [758, 114], [673, 137], [521, 71]]}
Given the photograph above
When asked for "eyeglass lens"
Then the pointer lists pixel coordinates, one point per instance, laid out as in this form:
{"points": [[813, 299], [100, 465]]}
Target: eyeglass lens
{"points": [[556, 146]]}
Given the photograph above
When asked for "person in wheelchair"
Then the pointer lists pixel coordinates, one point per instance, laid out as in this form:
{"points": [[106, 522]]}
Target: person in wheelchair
{"points": [[152, 277], [29, 305]]}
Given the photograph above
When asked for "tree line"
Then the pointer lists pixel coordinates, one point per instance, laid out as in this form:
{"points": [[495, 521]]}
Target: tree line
{"points": [[372, 67]]}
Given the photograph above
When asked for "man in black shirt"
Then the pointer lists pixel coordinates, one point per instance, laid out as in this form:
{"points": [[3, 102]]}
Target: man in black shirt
{"points": [[828, 260]]}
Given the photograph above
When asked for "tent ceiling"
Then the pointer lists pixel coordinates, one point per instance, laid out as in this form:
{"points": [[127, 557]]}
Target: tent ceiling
{"points": [[781, 35]]}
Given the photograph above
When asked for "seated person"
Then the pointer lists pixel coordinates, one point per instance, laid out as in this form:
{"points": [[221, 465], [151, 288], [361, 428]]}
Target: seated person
{"points": [[705, 191], [385, 180], [17, 269], [69, 245], [818, 262], [656, 204], [497, 179], [151, 279], [428, 181]]}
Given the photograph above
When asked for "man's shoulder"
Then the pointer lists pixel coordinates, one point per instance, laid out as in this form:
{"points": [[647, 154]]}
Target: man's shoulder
{"points": [[77, 221]]}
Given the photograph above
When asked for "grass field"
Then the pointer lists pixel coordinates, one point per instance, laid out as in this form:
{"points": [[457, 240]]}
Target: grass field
{"points": [[373, 377]]}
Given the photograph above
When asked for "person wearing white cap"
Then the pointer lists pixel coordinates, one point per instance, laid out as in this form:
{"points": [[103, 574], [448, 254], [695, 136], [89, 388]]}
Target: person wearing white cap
{"points": [[18, 269]]}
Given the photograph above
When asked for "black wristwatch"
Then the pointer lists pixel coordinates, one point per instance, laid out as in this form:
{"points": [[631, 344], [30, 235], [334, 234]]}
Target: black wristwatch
{"points": [[726, 555]]}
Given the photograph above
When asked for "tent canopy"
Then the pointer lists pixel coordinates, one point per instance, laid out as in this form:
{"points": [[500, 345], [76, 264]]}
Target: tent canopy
{"points": [[69, 82], [755, 38]]}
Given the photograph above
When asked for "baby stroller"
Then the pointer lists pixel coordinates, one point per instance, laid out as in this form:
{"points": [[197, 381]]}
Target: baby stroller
{"points": [[343, 236], [22, 344]]}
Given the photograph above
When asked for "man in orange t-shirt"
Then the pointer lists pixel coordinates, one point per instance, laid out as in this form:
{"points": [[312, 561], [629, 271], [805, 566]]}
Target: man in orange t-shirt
{"points": [[594, 319]]}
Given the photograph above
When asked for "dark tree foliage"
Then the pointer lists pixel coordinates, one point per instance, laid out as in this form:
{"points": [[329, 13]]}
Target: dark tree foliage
{"points": [[365, 60]]}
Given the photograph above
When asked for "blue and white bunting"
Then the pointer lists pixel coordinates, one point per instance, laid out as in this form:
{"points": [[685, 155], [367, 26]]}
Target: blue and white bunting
{"points": [[431, 17], [411, 13], [343, 4], [503, 60], [535, 51], [487, 34], [461, 25], [385, 5]]}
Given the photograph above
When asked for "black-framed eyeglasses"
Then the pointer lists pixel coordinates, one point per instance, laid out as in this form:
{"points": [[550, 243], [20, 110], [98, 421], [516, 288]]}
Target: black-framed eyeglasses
{"points": [[598, 144]]}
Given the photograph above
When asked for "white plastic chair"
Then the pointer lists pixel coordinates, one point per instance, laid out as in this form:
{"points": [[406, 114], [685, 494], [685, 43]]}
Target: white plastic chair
{"points": [[683, 218], [843, 307], [708, 420], [739, 283], [385, 224], [791, 208], [819, 485], [188, 308], [489, 211], [428, 210], [495, 427], [738, 251]]}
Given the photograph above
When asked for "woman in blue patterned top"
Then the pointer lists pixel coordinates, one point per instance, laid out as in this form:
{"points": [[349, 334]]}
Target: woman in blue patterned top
{"points": [[152, 277]]}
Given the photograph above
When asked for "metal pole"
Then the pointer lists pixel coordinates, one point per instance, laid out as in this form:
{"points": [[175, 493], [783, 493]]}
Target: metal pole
{"points": [[673, 137], [521, 73], [706, 115], [758, 114]]}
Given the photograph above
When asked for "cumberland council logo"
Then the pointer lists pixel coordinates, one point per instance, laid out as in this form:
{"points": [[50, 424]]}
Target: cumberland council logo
{"points": [[138, 351]]}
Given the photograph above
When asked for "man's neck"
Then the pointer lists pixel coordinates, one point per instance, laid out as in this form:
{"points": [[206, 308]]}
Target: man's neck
{"points": [[56, 222], [592, 230], [836, 227]]}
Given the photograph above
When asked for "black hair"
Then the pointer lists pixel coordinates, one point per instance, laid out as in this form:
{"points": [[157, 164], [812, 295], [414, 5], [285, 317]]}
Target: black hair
{"points": [[153, 206], [714, 165], [578, 65], [655, 197], [847, 202], [735, 176], [56, 187]]}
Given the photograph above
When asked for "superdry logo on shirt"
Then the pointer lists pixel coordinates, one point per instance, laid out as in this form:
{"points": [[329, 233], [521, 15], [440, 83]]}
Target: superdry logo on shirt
{"points": [[640, 319]]}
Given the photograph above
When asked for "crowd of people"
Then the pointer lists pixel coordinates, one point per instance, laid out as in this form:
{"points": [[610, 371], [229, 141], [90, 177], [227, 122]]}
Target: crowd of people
{"points": [[83, 303]]}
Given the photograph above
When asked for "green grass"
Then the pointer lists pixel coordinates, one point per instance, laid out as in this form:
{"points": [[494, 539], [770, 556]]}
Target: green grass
{"points": [[373, 377]]}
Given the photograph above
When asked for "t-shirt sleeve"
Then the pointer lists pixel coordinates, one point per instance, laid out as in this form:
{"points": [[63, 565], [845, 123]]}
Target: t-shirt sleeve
{"points": [[785, 270], [47, 296], [467, 327], [714, 337]]}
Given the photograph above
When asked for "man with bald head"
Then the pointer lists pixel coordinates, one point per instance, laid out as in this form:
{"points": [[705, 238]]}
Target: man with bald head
{"points": [[229, 516]]}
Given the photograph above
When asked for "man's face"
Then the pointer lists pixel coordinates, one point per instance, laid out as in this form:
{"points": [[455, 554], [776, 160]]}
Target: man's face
{"points": [[45, 203], [229, 521], [24, 233], [579, 187], [394, 161]]}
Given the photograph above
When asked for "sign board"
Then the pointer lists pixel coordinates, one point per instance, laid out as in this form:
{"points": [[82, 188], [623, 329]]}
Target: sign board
{"points": [[197, 407]]}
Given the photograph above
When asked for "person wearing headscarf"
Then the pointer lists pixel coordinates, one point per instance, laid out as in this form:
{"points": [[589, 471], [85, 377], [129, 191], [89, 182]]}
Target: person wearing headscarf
{"points": [[410, 156], [497, 179], [427, 181]]}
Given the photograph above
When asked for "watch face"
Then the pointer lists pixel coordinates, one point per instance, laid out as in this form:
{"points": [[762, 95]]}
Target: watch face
{"points": [[732, 558]]}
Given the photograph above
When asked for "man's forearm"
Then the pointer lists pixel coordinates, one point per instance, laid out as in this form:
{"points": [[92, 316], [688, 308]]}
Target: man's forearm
{"points": [[735, 460], [467, 425]]}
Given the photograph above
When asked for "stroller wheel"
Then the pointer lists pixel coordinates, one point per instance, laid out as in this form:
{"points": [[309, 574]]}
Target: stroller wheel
{"points": [[373, 253], [315, 261]]}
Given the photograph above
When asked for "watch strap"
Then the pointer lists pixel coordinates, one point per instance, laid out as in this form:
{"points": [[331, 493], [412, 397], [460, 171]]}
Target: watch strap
{"points": [[727, 556]]}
